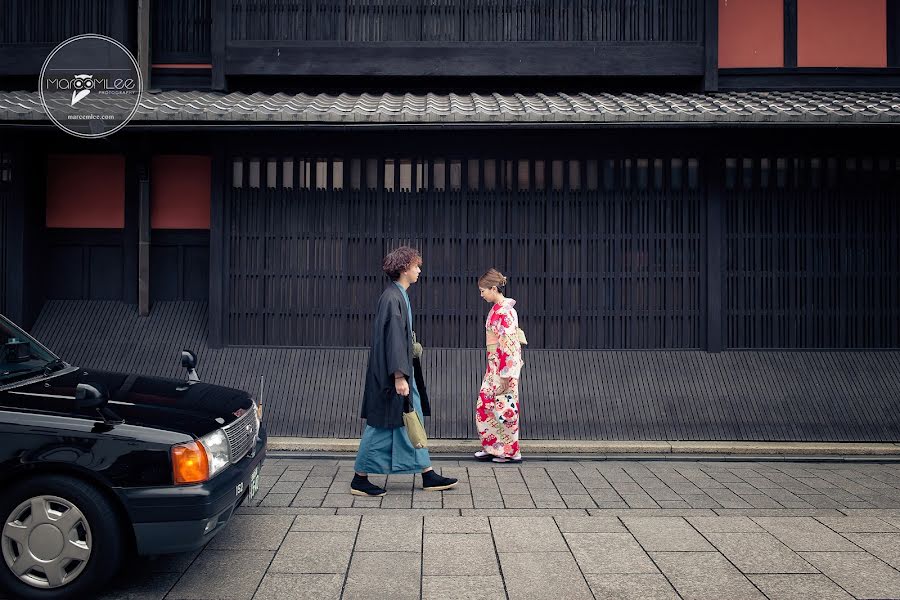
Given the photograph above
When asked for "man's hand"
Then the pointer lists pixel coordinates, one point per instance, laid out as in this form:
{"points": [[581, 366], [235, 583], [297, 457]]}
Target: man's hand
{"points": [[402, 386]]}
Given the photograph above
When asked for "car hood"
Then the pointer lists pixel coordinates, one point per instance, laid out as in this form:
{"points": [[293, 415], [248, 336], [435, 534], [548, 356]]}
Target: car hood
{"points": [[161, 403]]}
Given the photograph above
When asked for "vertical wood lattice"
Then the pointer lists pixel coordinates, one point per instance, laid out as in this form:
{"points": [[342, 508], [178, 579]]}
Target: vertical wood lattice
{"points": [[181, 31], [813, 253], [466, 20], [52, 21], [600, 253]]}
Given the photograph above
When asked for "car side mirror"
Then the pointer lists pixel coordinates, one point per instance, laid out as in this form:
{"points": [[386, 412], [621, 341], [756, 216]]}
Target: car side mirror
{"points": [[91, 395], [188, 359], [189, 362], [95, 395]]}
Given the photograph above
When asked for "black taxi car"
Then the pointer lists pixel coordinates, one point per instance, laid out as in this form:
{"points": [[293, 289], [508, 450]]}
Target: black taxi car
{"points": [[97, 465]]}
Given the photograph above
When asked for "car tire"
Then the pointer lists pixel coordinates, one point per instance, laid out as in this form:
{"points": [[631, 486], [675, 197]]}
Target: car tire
{"points": [[71, 548]]}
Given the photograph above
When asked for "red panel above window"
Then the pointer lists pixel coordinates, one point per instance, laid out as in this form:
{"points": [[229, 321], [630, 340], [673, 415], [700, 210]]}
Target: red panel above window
{"points": [[751, 33], [841, 33], [179, 196], [86, 191]]}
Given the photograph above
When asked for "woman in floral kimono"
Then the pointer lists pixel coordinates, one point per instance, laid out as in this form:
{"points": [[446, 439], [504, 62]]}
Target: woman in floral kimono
{"points": [[497, 410]]}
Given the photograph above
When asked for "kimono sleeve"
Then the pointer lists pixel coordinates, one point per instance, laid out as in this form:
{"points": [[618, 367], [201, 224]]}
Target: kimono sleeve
{"points": [[504, 323]]}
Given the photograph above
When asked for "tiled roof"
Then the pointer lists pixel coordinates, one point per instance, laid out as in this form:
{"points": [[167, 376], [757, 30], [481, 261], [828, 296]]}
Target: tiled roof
{"points": [[717, 108]]}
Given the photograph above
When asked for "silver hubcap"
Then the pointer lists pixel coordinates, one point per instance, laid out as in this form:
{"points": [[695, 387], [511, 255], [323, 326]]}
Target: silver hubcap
{"points": [[46, 542]]}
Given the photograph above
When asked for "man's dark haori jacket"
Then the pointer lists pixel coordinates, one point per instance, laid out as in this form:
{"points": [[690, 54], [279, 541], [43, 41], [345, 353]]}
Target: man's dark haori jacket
{"points": [[391, 352]]}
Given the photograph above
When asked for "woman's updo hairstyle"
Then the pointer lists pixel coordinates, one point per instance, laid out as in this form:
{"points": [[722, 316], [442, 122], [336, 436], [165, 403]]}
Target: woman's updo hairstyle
{"points": [[492, 278]]}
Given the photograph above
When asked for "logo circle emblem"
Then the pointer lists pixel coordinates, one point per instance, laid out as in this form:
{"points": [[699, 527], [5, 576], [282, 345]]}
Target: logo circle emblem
{"points": [[91, 86]]}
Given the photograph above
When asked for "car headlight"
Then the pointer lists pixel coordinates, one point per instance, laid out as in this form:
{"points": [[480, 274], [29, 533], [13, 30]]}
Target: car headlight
{"points": [[216, 446], [201, 460]]}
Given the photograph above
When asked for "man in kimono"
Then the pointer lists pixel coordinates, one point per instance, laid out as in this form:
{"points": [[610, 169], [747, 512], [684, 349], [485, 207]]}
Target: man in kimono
{"points": [[392, 377]]}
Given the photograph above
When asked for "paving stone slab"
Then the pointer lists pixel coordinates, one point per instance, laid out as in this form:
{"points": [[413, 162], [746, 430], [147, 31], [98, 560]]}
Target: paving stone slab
{"points": [[659, 512], [759, 553], [799, 587], [523, 512], [281, 500], [609, 553], [253, 532], [462, 588], [861, 574], [631, 587], [286, 487], [223, 574], [169, 563], [326, 523], [590, 525], [779, 512], [543, 576], [457, 525], [858, 524], [460, 554], [284, 510], [142, 587], [390, 533], [664, 534], [705, 576], [294, 586], [534, 534], [518, 501], [805, 534], [724, 525], [314, 552], [413, 512], [378, 575], [885, 546]]}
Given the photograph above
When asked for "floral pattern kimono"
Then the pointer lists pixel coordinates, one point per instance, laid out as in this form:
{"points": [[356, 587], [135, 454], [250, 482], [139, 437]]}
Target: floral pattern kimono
{"points": [[497, 414]]}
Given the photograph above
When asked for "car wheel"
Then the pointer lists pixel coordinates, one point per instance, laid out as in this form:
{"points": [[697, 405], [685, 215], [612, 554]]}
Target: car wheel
{"points": [[60, 539]]}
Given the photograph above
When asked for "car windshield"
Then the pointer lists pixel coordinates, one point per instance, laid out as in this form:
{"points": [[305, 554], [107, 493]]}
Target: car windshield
{"points": [[22, 356]]}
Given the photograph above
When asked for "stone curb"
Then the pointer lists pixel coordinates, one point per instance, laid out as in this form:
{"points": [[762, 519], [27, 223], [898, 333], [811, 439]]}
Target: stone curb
{"points": [[295, 444]]}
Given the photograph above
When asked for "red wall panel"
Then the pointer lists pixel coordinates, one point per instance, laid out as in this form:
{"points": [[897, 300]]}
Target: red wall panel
{"points": [[179, 196], [86, 191], [841, 33], [751, 33]]}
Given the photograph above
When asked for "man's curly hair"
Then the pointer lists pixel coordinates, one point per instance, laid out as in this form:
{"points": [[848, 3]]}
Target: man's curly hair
{"points": [[400, 260]]}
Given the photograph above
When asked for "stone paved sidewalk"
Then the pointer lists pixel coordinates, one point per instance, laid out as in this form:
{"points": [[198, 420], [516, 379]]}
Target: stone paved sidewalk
{"points": [[618, 530]]}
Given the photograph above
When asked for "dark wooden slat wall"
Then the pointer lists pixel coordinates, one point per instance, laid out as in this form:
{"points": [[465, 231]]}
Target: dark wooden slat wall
{"points": [[467, 20], [566, 394], [181, 31], [812, 253], [600, 253], [52, 21]]}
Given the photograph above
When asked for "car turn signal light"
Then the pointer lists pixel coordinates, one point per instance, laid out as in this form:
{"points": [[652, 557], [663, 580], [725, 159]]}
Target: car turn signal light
{"points": [[189, 463]]}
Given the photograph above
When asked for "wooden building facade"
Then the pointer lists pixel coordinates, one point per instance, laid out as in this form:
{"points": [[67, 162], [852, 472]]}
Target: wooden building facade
{"points": [[728, 179]]}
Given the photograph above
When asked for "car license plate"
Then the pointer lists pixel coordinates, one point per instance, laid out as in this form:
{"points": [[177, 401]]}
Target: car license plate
{"points": [[254, 482]]}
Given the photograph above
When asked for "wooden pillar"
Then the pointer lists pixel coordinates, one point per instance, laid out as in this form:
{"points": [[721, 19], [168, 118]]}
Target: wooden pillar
{"points": [[711, 46], [790, 33], [715, 253], [130, 232], [144, 238], [14, 238], [143, 40], [893, 33], [220, 12], [217, 304]]}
